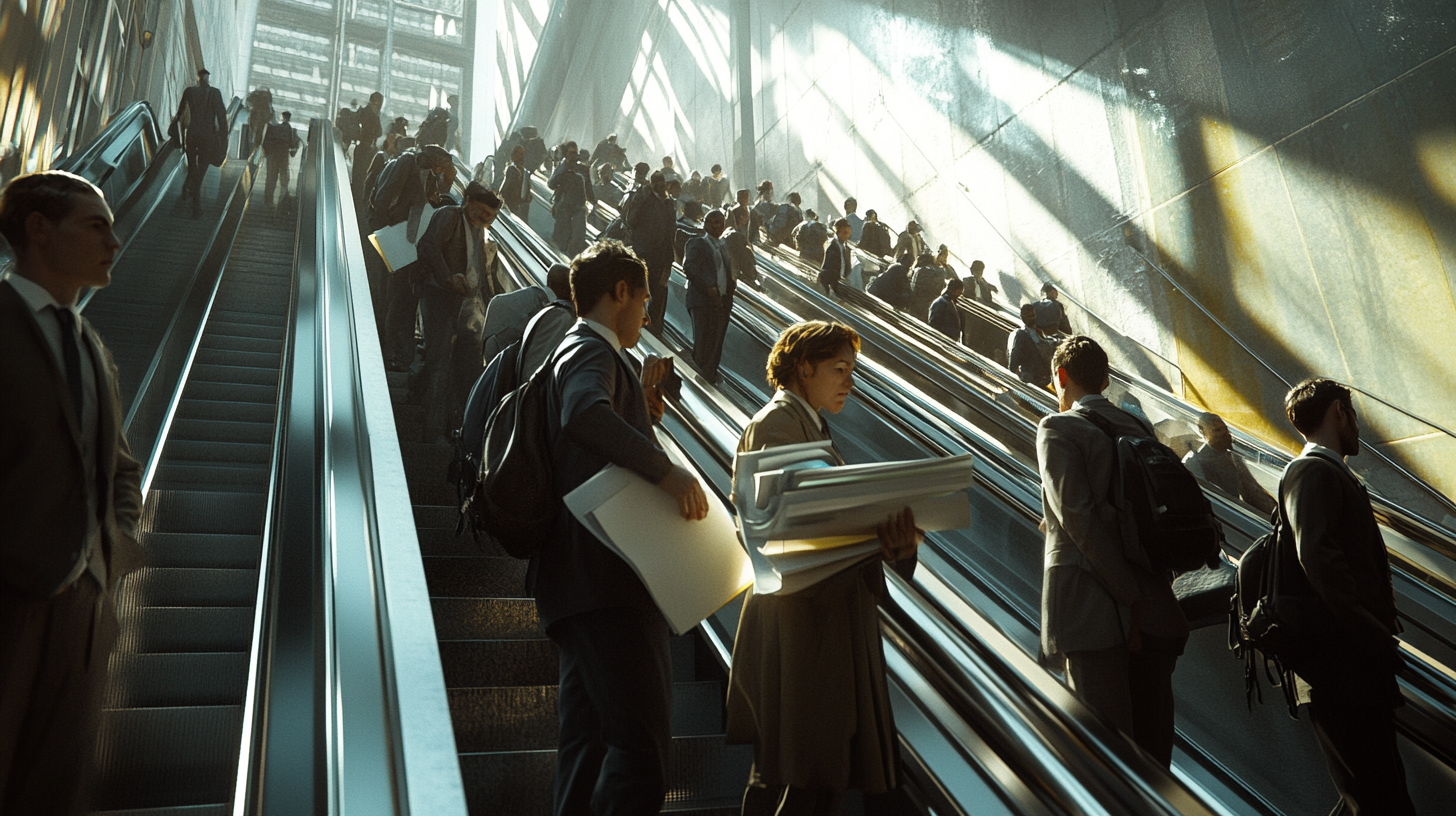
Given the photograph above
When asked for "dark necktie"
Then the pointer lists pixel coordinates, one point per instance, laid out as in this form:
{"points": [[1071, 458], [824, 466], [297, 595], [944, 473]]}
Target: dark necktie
{"points": [[71, 353]]}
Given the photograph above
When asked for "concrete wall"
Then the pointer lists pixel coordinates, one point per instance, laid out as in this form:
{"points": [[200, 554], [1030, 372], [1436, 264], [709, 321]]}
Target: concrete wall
{"points": [[1289, 164]]}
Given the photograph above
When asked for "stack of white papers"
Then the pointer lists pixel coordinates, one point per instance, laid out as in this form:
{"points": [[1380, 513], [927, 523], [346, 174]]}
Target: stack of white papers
{"points": [[691, 568], [803, 519], [394, 243]]}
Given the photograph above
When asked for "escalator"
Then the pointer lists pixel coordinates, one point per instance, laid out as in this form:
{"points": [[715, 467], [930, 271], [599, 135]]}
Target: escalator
{"points": [[992, 572]]}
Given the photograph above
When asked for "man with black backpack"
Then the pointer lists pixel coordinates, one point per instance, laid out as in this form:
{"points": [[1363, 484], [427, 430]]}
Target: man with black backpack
{"points": [[1347, 653], [615, 696], [366, 131], [1106, 609]]}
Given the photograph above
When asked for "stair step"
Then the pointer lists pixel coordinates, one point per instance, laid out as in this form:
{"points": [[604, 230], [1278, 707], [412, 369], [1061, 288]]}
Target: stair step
{"points": [[202, 550], [222, 430], [212, 477], [233, 327], [436, 516], [239, 392], [176, 679], [475, 663], [486, 619], [438, 541], [425, 461], [219, 451], [193, 586], [235, 357], [163, 629], [475, 577], [703, 774], [212, 340], [166, 757], [191, 511], [249, 375], [432, 492], [194, 407], [222, 809], [524, 718]]}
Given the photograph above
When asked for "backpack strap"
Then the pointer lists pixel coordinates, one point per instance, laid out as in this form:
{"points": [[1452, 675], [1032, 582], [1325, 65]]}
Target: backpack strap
{"points": [[530, 330]]}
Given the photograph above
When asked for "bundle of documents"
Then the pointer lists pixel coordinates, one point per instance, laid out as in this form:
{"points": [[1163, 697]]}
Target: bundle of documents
{"points": [[395, 244], [691, 568], [804, 519]]}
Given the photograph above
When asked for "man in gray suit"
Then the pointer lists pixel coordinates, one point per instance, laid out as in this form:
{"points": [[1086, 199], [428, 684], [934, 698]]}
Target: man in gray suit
{"points": [[70, 492], [1104, 610]]}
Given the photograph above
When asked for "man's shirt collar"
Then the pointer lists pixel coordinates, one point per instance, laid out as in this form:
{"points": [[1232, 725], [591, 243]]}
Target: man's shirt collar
{"points": [[819, 420], [37, 297], [606, 333], [1311, 449]]}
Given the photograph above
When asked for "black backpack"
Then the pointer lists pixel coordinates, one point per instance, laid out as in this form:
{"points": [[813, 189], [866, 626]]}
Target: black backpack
{"points": [[781, 226], [1174, 522], [1275, 609], [502, 467]]}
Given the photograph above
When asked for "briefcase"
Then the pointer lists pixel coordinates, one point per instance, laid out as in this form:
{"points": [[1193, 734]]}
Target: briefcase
{"points": [[219, 150]]}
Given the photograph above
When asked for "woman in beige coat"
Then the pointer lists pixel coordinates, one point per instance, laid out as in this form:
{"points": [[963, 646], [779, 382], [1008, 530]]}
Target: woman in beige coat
{"points": [[807, 687]]}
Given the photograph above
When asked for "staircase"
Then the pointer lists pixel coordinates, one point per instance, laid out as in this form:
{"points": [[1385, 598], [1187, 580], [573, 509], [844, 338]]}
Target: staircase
{"points": [[501, 670]]}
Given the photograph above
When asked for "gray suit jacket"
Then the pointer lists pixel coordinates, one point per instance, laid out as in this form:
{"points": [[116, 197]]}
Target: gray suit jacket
{"points": [[1092, 574], [42, 482]]}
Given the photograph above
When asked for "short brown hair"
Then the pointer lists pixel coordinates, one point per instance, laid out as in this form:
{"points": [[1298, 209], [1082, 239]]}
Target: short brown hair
{"points": [[1307, 403], [596, 271], [52, 193], [1084, 360], [812, 342]]}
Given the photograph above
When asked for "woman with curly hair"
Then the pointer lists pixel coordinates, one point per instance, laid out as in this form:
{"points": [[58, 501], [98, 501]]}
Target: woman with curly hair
{"points": [[807, 687]]}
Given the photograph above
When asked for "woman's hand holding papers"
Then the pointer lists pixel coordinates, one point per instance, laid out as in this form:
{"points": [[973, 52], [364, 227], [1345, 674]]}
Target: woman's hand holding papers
{"points": [[684, 487], [899, 536]]}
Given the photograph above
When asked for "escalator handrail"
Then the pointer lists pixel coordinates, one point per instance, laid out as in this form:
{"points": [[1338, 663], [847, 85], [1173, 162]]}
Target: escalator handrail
{"points": [[1008, 716], [138, 114]]}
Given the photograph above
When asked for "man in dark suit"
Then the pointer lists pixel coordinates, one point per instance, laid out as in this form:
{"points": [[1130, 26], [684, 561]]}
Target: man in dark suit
{"points": [[202, 117], [69, 492], [457, 278], [516, 189], [709, 270], [280, 144], [1104, 610], [1351, 660], [653, 223], [838, 260], [944, 316], [875, 236], [615, 693], [407, 184], [369, 131], [573, 198]]}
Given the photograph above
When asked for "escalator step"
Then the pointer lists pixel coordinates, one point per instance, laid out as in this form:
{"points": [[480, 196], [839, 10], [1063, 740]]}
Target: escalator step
{"points": [[230, 357], [224, 410], [486, 619], [202, 550], [262, 394], [190, 511], [219, 477], [155, 757], [158, 629], [213, 431], [185, 810], [173, 679], [472, 663], [225, 342], [437, 516], [475, 577], [524, 718], [233, 328], [242, 318], [172, 586], [425, 461], [220, 451], [443, 541], [242, 375], [432, 492]]}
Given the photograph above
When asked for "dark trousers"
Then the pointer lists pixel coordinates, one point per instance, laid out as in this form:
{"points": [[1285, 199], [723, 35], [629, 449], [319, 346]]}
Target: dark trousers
{"points": [[570, 231], [450, 357], [196, 170], [277, 168], [710, 326], [522, 209], [363, 156], [1132, 690], [614, 711], [658, 270], [1358, 741], [398, 332], [53, 656]]}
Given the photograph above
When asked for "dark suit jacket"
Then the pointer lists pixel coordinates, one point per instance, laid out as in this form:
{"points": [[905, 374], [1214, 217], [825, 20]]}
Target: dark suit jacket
{"points": [[1093, 573], [573, 190], [702, 274], [598, 415], [653, 224], [400, 190], [207, 115], [1343, 555], [832, 267], [442, 252], [42, 482], [945, 317], [511, 188]]}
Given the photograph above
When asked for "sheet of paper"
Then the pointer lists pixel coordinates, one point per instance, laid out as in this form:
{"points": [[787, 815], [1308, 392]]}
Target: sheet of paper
{"points": [[394, 246], [691, 568], [790, 563], [949, 512]]}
